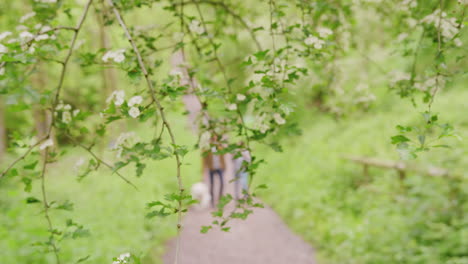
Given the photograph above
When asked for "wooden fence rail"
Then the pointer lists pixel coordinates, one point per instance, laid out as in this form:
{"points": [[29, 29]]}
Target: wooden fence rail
{"points": [[401, 167]]}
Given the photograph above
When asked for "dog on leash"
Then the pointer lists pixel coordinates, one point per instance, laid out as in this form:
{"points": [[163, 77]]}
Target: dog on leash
{"points": [[201, 193]]}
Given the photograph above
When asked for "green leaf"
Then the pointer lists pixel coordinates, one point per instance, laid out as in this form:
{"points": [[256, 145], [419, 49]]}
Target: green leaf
{"points": [[31, 166], [205, 229], [27, 184], [67, 206], [80, 232], [399, 139], [422, 139], [261, 55], [83, 259], [31, 200]]}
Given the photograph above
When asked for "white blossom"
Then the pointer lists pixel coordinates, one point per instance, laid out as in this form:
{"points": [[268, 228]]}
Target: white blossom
{"points": [[32, 48], [178, 36], [124, 139], [313, 40], [21, 28], [67, 107], [260, 123], [135, 100], [402, 36], [59, 106], [411, 22], [122, 259], [26, 36], [76, 112], [232, 107], [286, 109], [3, 49], [41, 37], [324, 32], [117, 56], [366, 98], [409, 3], [397, 76], [117, 96], [134, 112], [27, 16], [240, 97], [80, 162], [2, 71], [47, 1], [458, 42], [45, 29], [48, 143], [448, 26], [279, 119], [4, 35], [176, 73], [279, 64], [66, 117], [196, 27]]}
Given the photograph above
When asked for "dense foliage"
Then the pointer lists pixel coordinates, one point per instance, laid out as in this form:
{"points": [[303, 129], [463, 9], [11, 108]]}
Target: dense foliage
{"points": [[107, 79]]}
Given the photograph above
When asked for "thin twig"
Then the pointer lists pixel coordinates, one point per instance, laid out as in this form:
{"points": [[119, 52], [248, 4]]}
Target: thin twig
{"points": [[232, 13], [22, 157], [157, 105], [67, 58], [88, 149], [46, 208]]}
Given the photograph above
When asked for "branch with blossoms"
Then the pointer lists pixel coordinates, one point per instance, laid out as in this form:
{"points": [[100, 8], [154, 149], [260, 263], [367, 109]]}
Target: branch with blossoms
{"points": [[162, 113], [47, 142]]}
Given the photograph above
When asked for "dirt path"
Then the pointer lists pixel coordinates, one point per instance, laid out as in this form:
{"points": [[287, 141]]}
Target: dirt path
{"points": [[261, 239]]}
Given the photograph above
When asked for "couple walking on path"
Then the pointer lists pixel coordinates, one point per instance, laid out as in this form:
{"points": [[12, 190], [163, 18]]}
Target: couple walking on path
{"points": [[215, 162]]}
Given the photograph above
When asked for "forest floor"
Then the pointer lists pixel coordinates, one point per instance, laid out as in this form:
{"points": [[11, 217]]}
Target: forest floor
{"points": [[262, 238]]}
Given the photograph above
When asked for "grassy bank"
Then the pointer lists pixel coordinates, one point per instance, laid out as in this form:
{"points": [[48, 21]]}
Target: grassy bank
{"points": [[326, 199], [112, 211]]}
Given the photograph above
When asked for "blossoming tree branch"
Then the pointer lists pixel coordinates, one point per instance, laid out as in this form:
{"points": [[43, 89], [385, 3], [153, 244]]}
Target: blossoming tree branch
{"points": [[243, 65]]}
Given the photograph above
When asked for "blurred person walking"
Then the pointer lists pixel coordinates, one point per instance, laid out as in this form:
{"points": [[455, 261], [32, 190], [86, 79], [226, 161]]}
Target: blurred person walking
{"points": [[240, 172], [215, 163]]}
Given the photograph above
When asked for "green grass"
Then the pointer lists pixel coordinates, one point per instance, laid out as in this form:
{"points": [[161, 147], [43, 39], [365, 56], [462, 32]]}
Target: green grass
{"points": [[113, 211], [323, 197]]}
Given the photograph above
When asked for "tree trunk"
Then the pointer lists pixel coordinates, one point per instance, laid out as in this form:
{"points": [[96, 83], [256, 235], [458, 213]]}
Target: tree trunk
{"points": [[42, 117], [109, 79], [3, 135]]}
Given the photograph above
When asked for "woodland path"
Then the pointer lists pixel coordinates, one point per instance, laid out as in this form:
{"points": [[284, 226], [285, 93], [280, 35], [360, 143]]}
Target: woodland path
{"points": [[263, 238]]}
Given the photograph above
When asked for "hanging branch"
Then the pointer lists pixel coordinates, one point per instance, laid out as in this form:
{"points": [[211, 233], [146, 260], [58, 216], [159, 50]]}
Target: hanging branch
{"points": [[158, 105], [223, 71], [62, 76], [54, 104]]}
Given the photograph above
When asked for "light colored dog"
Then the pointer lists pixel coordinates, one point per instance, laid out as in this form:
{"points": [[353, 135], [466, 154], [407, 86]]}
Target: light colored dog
{"points": [[201, 193]]}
